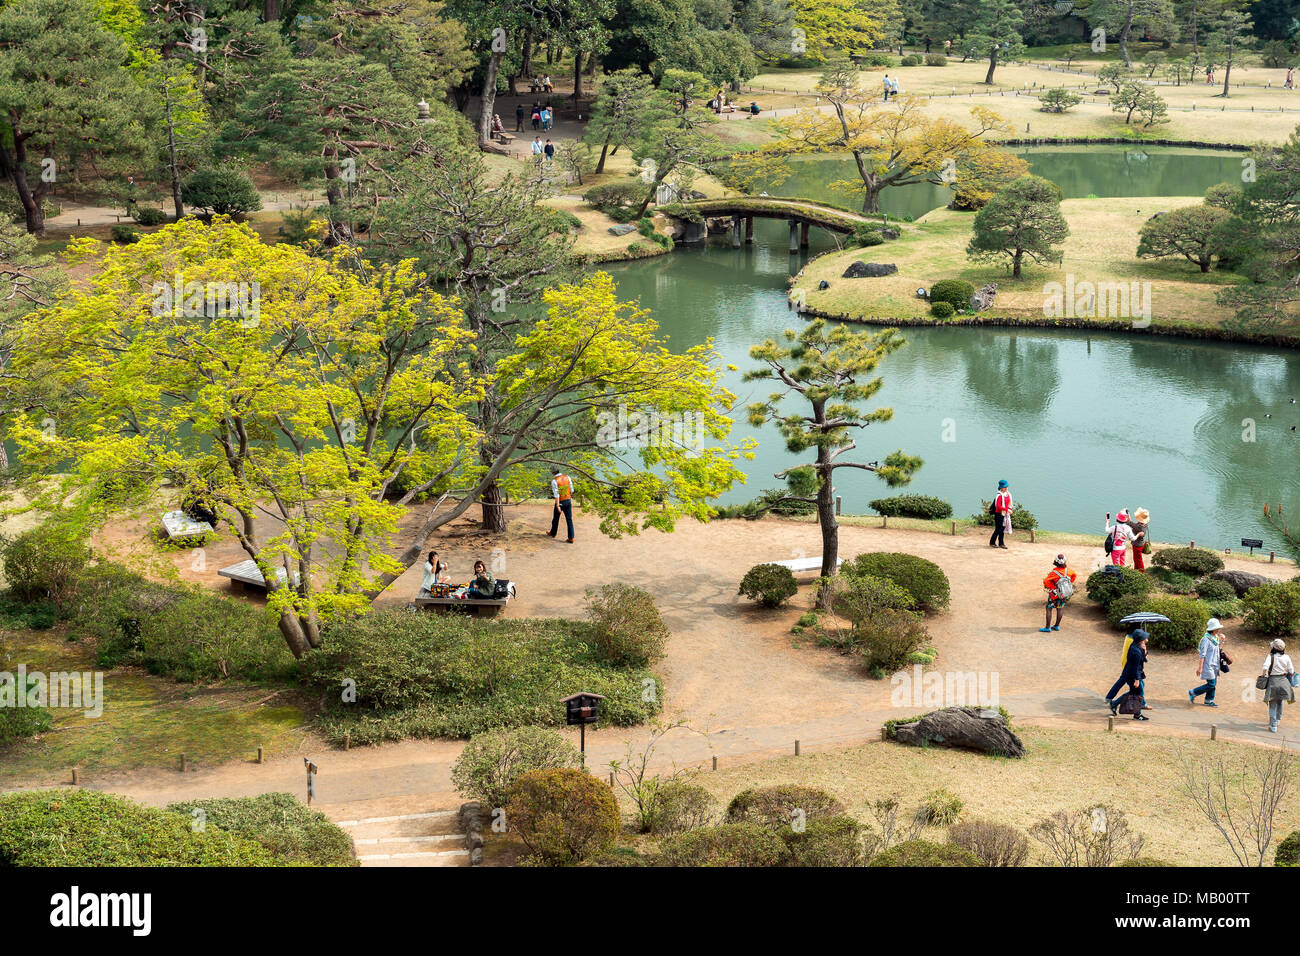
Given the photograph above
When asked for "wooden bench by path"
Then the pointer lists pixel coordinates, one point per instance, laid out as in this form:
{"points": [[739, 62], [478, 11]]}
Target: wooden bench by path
{"points": [[485, 607], [179, 525]]}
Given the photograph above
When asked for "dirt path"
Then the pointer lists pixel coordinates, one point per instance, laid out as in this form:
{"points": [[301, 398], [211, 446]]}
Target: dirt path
{"points": [[735, 672]]}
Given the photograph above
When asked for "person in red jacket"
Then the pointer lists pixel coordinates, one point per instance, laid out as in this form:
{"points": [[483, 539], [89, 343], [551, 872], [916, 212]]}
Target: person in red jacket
{"points": [[1055, 588], [1001, 508]]}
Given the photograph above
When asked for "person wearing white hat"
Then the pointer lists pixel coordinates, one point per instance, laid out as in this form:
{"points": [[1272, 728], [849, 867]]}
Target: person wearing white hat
{"points": [[1118, 535], [1209, 664], [1278, 674]]}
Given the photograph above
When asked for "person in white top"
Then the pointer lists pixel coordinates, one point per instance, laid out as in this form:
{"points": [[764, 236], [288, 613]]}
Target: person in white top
{"points": [[1277, 672], [1121, 534], [435, 572]]}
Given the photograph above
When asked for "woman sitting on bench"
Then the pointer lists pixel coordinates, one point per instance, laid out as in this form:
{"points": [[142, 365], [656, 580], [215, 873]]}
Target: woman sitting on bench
{"points": [[483, 587]]}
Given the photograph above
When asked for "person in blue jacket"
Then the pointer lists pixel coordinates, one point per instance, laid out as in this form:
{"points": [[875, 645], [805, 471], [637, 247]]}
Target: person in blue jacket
{"points": [[1134, 673]]}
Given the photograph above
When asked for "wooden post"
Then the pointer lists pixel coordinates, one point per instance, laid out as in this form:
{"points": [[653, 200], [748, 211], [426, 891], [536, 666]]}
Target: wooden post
{"points": [[183, 768], [261, 755], [347, 740], [715, 763], [735, 232], [884, 521], [803, 235], [749, 230], [796, 748], [884, 734], [611, 778], [838, 502], [74, 776], [1110, 724], [794, 236], [1214, 731], [1191, 544], [1271, 556], [954, 529], [1031, 535]]}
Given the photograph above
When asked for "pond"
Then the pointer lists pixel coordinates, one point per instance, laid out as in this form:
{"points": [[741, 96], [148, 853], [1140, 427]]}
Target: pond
{"points": [[1079, 423], [1102, 171]]}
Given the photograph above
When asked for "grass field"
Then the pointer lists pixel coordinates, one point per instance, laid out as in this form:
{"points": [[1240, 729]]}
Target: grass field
{"points": [[1101, 248]]}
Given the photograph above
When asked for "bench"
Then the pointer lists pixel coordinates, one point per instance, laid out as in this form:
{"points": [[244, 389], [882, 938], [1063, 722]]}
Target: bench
{"points": [[804, 565], [503, 137], [248, 574], [487, 607], [179, 525]]}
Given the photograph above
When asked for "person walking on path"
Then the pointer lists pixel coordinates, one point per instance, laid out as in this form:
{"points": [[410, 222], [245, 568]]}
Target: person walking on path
{"points": [[887, 87], [549, 150], [1117, 537], [537, 146], [1290, 79], [1209, 664], [562, 493], [927, 44], [1060, 588], [537, 117], [520, 115], [1139, 526], [1134, 673], [1001, 511], [1278, 674]]}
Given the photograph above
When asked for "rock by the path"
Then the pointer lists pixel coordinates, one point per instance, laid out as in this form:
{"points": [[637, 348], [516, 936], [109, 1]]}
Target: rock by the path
{"points": [[968, 728], [889, 232], [870, 270], [983, 297], [622, 229], [1241, 581]]}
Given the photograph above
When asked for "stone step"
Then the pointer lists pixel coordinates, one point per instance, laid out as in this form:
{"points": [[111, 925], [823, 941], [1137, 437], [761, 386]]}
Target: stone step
{"points": [[419, 838], [457, 857], [405, 825]]}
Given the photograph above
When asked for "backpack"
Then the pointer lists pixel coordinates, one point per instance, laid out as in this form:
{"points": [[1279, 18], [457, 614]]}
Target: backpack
{"points": [[993, 507], [1110, 542], [1064, 586]]}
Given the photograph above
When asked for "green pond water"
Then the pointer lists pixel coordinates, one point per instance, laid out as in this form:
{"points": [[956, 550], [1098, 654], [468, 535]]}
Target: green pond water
{"points": [[1103, 171], [1080, 424]]}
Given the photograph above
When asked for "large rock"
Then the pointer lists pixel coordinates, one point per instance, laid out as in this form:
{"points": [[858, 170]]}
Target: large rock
{"points": [[983, 298], [889, 232], [968, 728], [622, 229], [1241, 581], [870, 270]]}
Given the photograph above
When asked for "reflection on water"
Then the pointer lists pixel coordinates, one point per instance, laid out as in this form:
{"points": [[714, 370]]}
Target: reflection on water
{"points": [[1079, 424], [1103, 171]]}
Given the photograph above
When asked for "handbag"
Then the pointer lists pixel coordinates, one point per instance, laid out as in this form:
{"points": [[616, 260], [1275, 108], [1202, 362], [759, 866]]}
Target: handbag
{"points": [[1130, 704], [1294, 678], [1110, 542]]}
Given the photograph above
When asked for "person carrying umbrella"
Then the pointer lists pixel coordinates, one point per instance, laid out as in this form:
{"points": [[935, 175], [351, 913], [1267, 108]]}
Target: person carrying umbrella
{"points": [[1209, 664], [1134, 673]]}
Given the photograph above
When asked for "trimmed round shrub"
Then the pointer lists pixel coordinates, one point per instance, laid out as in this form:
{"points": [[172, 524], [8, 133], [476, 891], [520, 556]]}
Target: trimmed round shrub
{"points": [[1174, 582], [856, 597], [124, 233], [910, 60], [19, 723], [868, 235], [936, 59], [88, 828], [942, 310], [732, 844], [628, 628], [995, 844], [492, 761], [774, 807], [912, 506], [616, 196], [771, 585], [957, 292], [832, 841], [925, 853], [1212, 589], [1196, 562], [1106, 587], [1187, 617], [562, 815], [224, 190], [42, 564], [922, 579], [1226, 609], [680, 806], [1273, 608], [149, 216], [1022, 519], [1288, 851], [280, 822]]}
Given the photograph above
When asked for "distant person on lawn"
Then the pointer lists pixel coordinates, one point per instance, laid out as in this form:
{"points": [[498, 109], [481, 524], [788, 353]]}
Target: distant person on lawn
{"points": [[562, 493], [1001, 509], [1057, 591], [1134, 673]]}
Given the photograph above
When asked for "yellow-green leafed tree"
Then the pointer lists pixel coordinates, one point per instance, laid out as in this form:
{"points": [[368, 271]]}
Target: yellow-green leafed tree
{"points": [[892, 144], [289, 392], [830, 27]]}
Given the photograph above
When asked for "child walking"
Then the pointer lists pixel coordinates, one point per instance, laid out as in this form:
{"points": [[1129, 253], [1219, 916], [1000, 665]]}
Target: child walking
{"points": [[1060, 588]]}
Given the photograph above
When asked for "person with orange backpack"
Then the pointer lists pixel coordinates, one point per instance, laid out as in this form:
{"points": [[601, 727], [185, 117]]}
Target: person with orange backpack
{"points": [[1060, 588], [562, 493]]}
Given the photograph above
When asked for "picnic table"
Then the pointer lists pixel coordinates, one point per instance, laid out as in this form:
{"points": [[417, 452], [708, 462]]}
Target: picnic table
{"points": [[247, 574], [178, 524], [487, 607], [804, 565]]}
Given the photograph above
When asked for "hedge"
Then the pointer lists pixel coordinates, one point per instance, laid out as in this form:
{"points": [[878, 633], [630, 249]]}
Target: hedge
{"points": [[280, 822], [925, 853], [1196, 562], [1187, 619], [1105, 586], [87, 828], [1273, 608], [922, 579], [912, 506], [562, 815]]}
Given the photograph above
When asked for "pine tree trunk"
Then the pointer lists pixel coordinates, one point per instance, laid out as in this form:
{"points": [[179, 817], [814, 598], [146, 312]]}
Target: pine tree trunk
{"points": [[604, 150], [489, 99], [577, 75], [173, 161], [31, 199]]}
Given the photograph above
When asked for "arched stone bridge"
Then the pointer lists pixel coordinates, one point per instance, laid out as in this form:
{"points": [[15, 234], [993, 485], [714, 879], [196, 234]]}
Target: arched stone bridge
{"points": [[802, 214]]}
